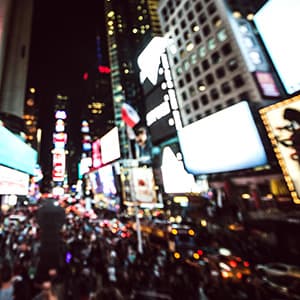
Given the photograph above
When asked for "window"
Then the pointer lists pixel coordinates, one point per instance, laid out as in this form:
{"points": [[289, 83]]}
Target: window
{"points": [[178, 70], [190, 15], [220, 72], [175, 60], [196, 71], [195, 104], [186, 5], [205, 65], [226, 49], [238, 81], [211, 8], [244, 96], [214, 94], [204, 99], [218, 107], [179, 43], [202, 51], [179, 13], [192, 91], [217, 22], [222, 35], [211, 44], [186, 65], [198, 7], [193, 58], [186, 35], [209, 79], [187, 110], [225, 87], [206, 30], [201, 86], [230, 101], [183, 24], [176, 31], [202, 18], [184, 96], [232, 64], [181, 83], [188, 77], [215, 57], [198, 39]]}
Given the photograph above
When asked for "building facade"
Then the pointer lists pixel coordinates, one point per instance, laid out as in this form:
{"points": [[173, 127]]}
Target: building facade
{"points": [[128, 24]]}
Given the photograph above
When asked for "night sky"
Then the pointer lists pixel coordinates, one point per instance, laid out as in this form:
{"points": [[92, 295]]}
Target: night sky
{"points": [[63, 47]]}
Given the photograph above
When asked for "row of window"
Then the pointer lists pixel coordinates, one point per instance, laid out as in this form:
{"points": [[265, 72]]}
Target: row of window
{"points": [[171, 5], [197, 103], [201, 53], [214, 93]]}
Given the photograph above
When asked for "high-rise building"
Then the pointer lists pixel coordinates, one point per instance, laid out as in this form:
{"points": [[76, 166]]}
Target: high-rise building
{"points": [[217, 61], [128, 24], [216, 58], [15, 21]]}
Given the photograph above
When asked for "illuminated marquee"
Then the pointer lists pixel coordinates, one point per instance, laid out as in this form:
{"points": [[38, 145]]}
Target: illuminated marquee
{"points": [[282, 123]]}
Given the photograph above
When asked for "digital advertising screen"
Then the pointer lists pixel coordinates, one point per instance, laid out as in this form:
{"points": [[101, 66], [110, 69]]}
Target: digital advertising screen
{"points": [[282, 121], [110, 146], [224, 141], [278, 25], [104, 185]]}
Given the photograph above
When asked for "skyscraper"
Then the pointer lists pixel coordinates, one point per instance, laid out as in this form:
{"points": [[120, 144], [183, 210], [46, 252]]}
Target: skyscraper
{"points": [[216, 59], [15, 36], [128, 24]]}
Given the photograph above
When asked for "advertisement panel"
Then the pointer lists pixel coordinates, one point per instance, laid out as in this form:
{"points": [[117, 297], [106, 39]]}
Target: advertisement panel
{"points": [[282, 121], [104, 187], [110, 146], [138, 186], [13, 182], [15, 153], [226, 141], [278, 26], [59, 164]]}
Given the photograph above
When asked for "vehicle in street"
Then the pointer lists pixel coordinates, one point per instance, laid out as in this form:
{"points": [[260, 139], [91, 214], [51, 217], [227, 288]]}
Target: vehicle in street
{"points": [[281, 278]]}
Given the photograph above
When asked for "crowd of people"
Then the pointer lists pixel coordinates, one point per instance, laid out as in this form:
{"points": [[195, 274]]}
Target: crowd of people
{"points": [[47, 257]]}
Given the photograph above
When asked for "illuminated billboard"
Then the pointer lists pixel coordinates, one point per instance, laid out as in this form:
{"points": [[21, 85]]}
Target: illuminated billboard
{"points": [[224, 141], [104, 186], [139, 186], [110, 146], [13, 182], [162, 114], [278, 25], [282, 121]]}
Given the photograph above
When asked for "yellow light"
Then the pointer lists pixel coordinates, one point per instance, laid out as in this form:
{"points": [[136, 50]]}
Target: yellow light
{"points": [[140, 18], [111, 14], [237, 14], [32, 90], [134, 30], [176, 255], [189, 47], [174, 231], [246, 196], [191, 232], [201, 88], [196, 255], [250, 17], [196, 28], [203, 223]]}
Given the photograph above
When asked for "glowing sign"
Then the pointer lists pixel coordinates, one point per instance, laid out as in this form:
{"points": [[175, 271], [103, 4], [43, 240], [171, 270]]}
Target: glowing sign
{"points": [[104, 69], [282, 123]]}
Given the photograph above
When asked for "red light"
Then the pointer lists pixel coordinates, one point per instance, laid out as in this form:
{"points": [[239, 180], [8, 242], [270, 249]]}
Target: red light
{"points": [[85, 76], [104, 69], [200, 252], [246, 264], [239, 275], [233, 263]]}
